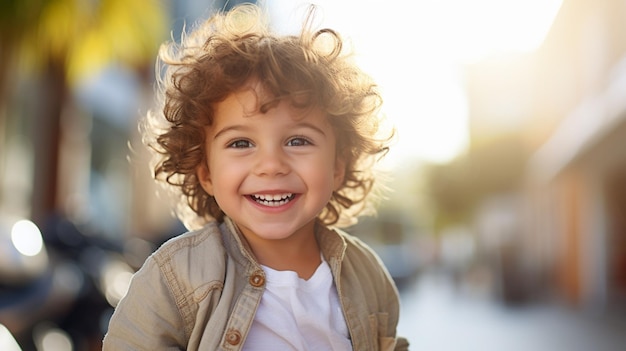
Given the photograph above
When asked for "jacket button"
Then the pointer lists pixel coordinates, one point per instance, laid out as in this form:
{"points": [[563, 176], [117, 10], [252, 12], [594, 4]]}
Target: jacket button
{"points": [[257, 280], [233, 337]]}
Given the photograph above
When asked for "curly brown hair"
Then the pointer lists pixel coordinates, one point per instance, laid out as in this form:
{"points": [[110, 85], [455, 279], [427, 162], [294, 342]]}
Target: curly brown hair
{"points": [[218, 58]]}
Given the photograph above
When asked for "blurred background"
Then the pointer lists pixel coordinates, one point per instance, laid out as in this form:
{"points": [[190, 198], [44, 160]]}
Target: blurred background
{"points": [[505, 227]]}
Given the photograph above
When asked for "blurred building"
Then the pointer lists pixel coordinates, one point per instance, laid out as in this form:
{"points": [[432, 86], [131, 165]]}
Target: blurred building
{"points": [[563, 230]]}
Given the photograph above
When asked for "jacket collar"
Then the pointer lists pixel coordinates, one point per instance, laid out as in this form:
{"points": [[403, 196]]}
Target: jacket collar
{"points": [[332, 244]]}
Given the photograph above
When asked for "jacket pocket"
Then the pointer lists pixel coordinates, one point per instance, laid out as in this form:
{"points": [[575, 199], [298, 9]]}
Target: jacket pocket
{"points": [[378, 327]]}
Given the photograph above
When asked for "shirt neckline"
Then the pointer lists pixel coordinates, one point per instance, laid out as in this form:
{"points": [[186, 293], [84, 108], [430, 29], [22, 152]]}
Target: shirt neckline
{"points": [[288, 278]]}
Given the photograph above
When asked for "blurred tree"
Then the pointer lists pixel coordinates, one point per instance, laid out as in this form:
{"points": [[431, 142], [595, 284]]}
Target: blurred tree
{"points": [[457, 188], [60, 42], [15, 16]]}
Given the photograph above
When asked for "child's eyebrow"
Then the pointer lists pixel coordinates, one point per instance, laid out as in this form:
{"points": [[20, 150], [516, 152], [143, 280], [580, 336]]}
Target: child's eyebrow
{"points": [[240, 128], [311, 126], [234, 128]]}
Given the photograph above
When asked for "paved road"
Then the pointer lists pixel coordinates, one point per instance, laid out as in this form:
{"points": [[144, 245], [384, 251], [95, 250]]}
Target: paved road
{"points": [[436, 317]]}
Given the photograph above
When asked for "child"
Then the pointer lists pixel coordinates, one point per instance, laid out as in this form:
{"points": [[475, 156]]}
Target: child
{"points": [[269, 140]]}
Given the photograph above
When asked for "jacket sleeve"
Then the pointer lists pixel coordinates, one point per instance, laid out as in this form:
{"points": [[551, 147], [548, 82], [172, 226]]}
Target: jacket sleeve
{"points": [[148, 317], [402, 344], [393, 308], [380, 291]]}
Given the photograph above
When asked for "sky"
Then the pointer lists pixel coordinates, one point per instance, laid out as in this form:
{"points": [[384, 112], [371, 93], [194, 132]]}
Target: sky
{"points": [[416, 50]]}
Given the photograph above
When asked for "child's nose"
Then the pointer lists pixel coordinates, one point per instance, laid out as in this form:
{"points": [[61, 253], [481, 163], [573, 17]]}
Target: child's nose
{"points": [[272, 161]]}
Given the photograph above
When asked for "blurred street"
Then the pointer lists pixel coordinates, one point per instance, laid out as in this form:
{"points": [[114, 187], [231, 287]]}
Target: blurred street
{"points": [[436, 316]]}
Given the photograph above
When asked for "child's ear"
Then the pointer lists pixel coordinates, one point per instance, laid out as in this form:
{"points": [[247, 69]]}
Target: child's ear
{"points": [[204, 177], [340, 172]]}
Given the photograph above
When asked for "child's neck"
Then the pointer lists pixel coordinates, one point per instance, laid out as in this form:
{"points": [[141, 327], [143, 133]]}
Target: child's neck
{"points": [[300, 254], [304, 263]]}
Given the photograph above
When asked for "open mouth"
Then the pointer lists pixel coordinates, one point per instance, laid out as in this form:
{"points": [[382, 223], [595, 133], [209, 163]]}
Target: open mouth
{"points": [[273, 200]]}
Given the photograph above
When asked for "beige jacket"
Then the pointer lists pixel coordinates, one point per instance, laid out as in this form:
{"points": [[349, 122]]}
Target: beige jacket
{"points": [[200, 291]]}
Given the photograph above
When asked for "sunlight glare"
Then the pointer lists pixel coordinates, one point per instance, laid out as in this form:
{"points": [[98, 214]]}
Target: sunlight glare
{"points": [[55, 339], [480, 28], [416, 50], [26, 238], [7, 341], [116, 279]]}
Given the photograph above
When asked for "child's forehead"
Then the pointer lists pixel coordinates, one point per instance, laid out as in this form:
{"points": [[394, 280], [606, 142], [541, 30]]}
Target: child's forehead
{"points": [[252, 94], [256, 97], [246, 106]]}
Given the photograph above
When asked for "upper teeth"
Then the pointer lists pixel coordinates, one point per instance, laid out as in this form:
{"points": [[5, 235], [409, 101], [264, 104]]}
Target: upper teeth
{"points": [[276, 197]]}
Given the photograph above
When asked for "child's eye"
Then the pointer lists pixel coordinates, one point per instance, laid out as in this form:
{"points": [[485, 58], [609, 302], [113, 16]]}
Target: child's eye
{"points": [[298, 141], [240, 144]]}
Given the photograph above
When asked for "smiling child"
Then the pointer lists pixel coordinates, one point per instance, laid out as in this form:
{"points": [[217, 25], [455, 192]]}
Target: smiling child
{"points": [[269, 141]]}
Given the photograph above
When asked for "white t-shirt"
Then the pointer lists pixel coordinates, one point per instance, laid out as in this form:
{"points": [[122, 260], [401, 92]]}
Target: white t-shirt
{"points": [[298, 314]]}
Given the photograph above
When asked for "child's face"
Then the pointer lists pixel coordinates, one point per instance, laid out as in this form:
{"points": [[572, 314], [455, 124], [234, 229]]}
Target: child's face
{"points": [[271, 173]]}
